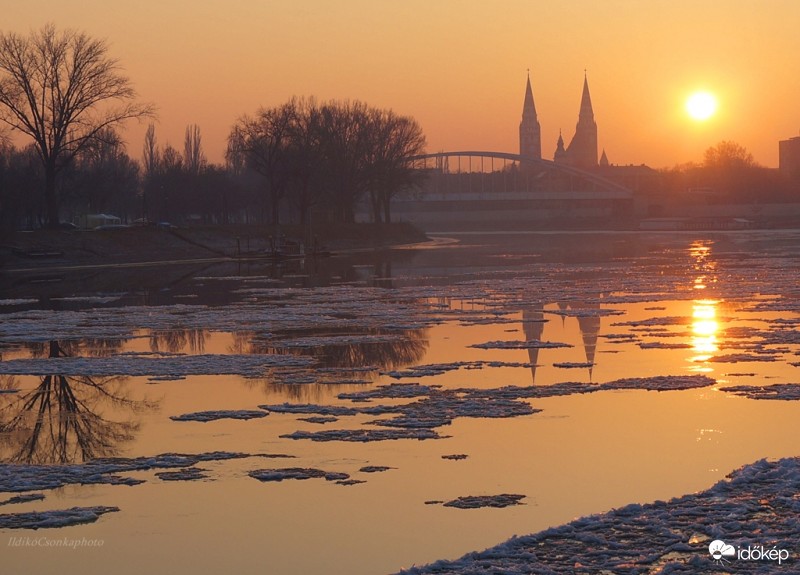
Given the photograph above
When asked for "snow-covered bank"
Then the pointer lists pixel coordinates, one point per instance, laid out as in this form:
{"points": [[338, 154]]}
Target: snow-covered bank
{"points": [[756, 506]]}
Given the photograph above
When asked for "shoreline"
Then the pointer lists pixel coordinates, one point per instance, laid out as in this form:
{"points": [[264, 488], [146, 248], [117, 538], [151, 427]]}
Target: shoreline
{"points": [[663, 536], [70, 250]]}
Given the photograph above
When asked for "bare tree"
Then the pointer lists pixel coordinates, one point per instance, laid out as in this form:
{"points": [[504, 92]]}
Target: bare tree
{"points": [[727, 155], [193, 157], [265, 141], [62, 89], [395, 139], [150, 154]]}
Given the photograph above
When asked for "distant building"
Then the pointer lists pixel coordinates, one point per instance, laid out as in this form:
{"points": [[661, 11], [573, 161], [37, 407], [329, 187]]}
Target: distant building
{"points": [[789, 157], [530, 133], [582, 150]]}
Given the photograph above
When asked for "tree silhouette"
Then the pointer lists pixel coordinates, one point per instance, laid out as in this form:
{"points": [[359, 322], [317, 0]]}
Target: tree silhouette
{"points": [[63, 90]]}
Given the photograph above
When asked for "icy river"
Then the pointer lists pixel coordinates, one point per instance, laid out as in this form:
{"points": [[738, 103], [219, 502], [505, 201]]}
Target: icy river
{"points": [[376, 411]]}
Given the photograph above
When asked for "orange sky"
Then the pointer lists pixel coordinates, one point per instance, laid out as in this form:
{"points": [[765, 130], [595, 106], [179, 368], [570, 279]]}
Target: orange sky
{"points": [[458, 66]]}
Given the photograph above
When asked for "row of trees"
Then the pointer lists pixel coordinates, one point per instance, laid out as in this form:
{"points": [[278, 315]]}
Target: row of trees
{"points": [[730, 174], [328, 156], [63, 91]]}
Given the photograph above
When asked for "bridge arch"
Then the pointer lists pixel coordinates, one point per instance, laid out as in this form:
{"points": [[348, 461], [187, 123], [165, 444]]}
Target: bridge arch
{"points": [[596, 180]]}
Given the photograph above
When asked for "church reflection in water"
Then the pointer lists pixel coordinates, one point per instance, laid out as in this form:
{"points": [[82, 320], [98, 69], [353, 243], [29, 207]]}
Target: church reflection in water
{"points": [[533, 322], [62, 419]]}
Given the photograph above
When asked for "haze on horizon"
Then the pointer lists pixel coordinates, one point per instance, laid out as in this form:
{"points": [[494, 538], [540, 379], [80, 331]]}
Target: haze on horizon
{"points": [[459, 68]]}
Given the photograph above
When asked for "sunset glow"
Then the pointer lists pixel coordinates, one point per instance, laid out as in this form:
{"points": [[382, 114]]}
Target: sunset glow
{"points": [[701, 105], [457, 69]]}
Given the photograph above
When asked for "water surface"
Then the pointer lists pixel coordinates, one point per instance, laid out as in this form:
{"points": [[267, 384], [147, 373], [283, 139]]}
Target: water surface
{"points": [[102, 363]]}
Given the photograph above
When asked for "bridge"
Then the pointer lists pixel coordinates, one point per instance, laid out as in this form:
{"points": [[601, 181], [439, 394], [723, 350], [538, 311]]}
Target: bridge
{"points": [[524, 171], [476, 162], [499, 190]]}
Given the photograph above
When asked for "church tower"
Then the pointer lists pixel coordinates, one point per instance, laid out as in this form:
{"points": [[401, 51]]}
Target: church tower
{"points": [[582, 150], [530, 136]]}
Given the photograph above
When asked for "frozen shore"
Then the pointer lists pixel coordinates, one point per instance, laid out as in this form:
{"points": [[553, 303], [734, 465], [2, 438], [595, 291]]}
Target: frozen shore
{"points": [[755, 507]]}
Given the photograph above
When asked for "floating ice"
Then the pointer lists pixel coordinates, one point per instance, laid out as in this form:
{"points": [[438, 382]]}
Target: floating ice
{"points": [[296, 473], [18, 301], [25, 498], [455, 456], [19, 477], [742, 357], [436, 407], [574, 364], [134, 365], [440, 368], [53, 519], [585, 312], [654, 383], [477, 501], [784, 391], [350, 482], [392, 391], [319, 419], [188, 474], [204, 416], [529, 344], [329, 410], [361, 339], [365, 435], [375, 468], [664, 345]]}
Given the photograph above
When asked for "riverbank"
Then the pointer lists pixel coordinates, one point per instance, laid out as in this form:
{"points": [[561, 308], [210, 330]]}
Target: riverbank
{"points": [[138, 245], [690, 534]]}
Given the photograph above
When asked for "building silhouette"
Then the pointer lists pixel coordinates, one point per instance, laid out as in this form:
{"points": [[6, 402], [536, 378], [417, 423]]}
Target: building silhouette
{"points": [[582, 150], [789, 157], [530, 134]]}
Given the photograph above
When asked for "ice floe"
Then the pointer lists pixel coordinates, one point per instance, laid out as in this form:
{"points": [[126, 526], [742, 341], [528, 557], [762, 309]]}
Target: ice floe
{"points": [[53, 519], [188, 474], [585, 312], [519, 344], [375, 468], [435, 407], [324, 410], [455, 456], [365, 435], [664, 345], [433, 369], [478, 501], [206, 364], [24, 498], [742, 357], [319, 419], [204, 416], [23, 477], [783, 391], [300, 473]]}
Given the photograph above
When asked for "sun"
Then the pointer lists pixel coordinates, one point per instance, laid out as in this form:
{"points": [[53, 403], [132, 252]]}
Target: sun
{"points": [[701, 105]]}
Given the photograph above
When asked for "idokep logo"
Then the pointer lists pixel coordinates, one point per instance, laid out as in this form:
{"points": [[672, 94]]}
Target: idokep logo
{"points": [[721, 552]]}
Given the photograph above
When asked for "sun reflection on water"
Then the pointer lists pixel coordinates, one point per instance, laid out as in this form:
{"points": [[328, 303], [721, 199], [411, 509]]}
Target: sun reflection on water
{"points": [[704, 311]]}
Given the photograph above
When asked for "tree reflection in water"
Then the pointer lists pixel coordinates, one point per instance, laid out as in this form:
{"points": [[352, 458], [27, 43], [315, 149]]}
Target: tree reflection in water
{"points": [[60, 420], [349, 360], [178, 340]]}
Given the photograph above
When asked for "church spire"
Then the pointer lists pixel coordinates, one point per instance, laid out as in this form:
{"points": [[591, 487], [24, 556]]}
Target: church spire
{"points": [[586, 113], [528, 106], [582, 149], [530, 135]]}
